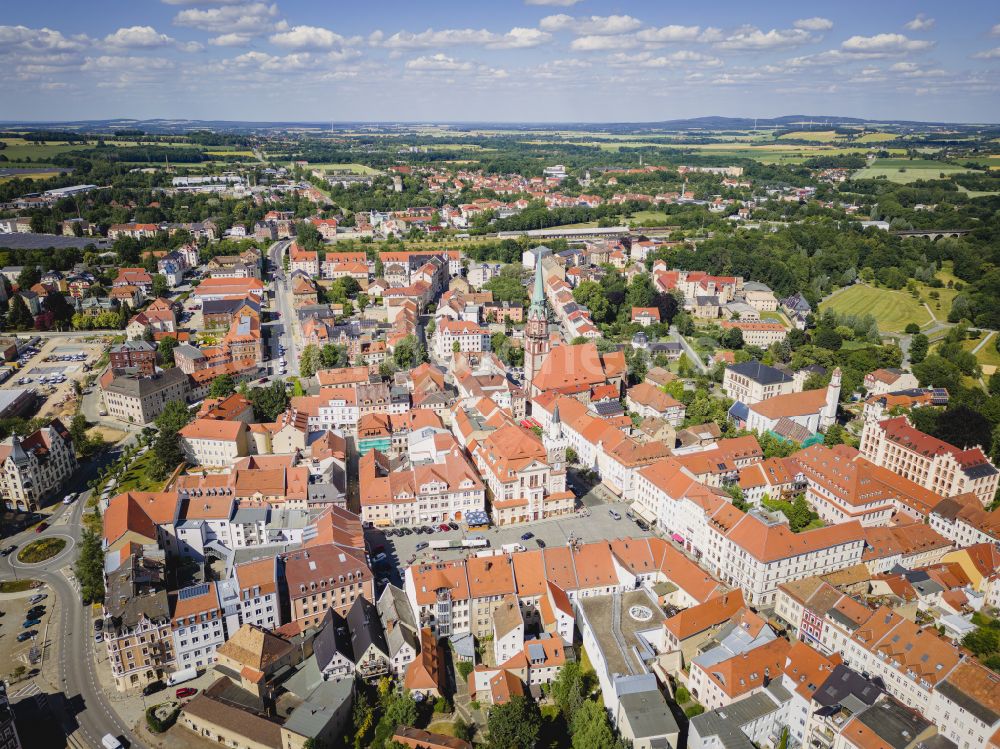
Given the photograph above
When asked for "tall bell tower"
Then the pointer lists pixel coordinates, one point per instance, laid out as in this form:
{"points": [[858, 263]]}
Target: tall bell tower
{"points": [[536, 331]]}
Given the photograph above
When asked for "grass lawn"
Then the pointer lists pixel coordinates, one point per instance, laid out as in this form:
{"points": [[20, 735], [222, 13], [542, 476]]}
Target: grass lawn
{"points": [[17, 586], [138, 478], [646, 217], [18, 148], [892, 310], [28, 175], [40, 550], [355, 168], [446, 727], [988, 356], [774, 317], [908, 170]]}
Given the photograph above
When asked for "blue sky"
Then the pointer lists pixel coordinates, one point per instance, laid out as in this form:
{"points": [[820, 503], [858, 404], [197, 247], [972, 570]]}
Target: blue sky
{"points": [[505, 60]]}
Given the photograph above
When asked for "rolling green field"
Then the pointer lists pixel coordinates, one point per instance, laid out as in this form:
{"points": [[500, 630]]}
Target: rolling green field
{"points": [[987, 356], [18, 148], [648, 216], [907, 170], [892, 310], [356, 168]]}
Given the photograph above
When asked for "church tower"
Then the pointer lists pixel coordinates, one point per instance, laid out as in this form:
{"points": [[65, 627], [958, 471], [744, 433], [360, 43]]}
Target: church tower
{"points": [[536, 331], [555, 453]]}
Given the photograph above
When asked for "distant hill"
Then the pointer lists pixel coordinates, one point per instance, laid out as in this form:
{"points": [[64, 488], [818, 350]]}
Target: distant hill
{"points": [[179, 126]]}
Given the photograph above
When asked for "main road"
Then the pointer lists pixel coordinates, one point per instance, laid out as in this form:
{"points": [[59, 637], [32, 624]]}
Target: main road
{"points": [[282, 329], [84, 712]]}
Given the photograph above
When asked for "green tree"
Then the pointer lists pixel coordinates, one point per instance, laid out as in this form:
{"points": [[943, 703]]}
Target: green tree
{"points": [[18, 314], [166, 350], [570, 689], [222, 386], [409, 353], [167, 448], [333, 356], [309, 360], [591, 729], [935, 371], [269, 402], [89, 568], [29, 276], [514, 724], [919, 345], [160, 285], [62, 311], [733, 338]]}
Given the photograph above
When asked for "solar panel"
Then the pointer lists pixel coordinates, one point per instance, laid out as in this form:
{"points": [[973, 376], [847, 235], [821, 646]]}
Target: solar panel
{"points": [[193, 592]]}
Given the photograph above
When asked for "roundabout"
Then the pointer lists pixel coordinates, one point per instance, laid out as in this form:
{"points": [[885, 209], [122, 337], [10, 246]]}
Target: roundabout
{"points": [[42, 550]]}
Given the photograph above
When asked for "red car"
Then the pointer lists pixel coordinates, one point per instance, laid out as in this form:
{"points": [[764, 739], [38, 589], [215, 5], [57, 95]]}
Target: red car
{"points": [[184, 692], [444, 527], [41, 527]]}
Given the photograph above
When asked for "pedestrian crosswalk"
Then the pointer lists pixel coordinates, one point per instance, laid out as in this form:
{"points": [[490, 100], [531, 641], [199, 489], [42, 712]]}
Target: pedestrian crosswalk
{"points": [[29, 690]]}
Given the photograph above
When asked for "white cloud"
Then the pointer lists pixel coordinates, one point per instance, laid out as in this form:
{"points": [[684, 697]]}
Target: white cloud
{"points": [[920, 23], [22, 38], [231, 40], [440, 61], [138, 37], [127, 63], [752, 38], [203, 2], [671, 59], [294, 62], [995, 31], [816, 23], [591, 25], [255, 18], [602, 43], [885, 43], [675, 33], [989, 54], [307, 37], [516, 38], [559, 3]]}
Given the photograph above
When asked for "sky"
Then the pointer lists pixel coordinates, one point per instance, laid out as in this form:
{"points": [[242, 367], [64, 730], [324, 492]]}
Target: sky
{"points": [[501, 60]]}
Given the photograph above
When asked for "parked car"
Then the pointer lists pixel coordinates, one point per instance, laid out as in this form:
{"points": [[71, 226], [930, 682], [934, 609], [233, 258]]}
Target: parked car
{"points": [[643, 525], [27, 635], [444, 527], [99, 638], [68, 499], [527, 536], [35, 612], [41, 527], [422, 545], [38, 597], [379, 558], [453, 525], [614, 514], [406, 531], [98, 625], [27, 623], [184, 692], [153, 687], [9, 550], [540, 542]]}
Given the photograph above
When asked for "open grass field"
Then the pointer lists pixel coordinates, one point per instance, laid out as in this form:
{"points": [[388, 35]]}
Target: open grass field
{"points": [[647, 217], [820, 136], [903, 171], [355, 168], [892, 310], [18, 148], [987, 356], [28, 175]]}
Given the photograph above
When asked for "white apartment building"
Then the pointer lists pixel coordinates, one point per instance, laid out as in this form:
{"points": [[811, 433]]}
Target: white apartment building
{"points": [[932, 463], [35, 467], [470, 337], [751, 382], [197, 626], [758, 553], [257, 583], [428, 493], [214, 443]]}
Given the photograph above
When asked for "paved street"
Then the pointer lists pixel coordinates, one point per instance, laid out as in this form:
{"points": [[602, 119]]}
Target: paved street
{"points": [[281, 329], [78, 703]]}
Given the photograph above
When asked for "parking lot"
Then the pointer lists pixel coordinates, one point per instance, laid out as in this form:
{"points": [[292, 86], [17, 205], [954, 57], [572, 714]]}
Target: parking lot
{"points": [[15, 607], [592, 524], [53, 367]]}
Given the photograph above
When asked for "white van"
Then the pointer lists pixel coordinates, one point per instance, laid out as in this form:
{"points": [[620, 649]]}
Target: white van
{"points": [[179, 677], [111, 742]]}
